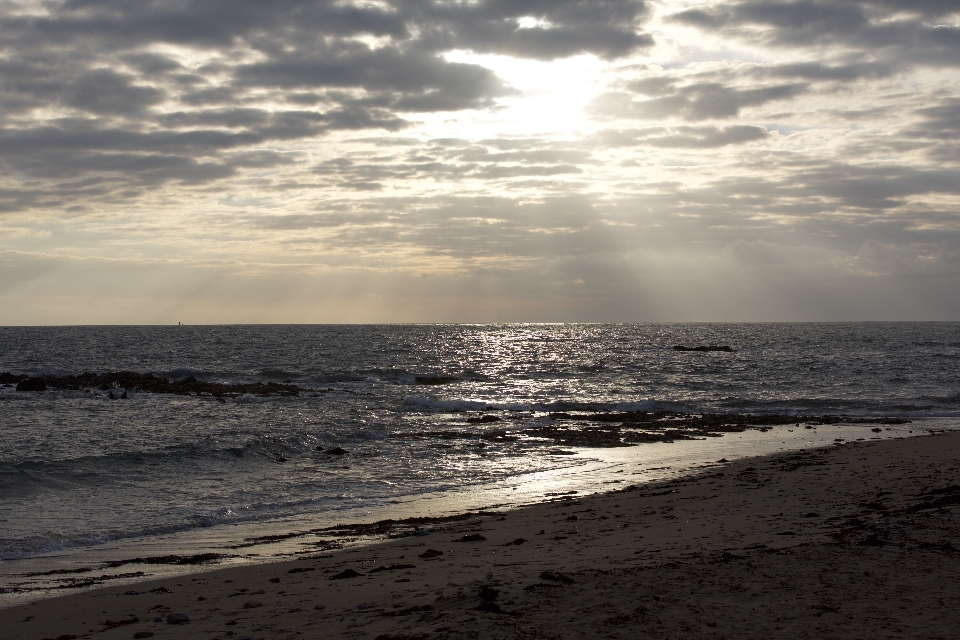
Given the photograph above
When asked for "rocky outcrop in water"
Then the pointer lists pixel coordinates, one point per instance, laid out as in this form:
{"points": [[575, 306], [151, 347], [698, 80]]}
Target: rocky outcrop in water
{"points": [[148, 382], [32, 384]]}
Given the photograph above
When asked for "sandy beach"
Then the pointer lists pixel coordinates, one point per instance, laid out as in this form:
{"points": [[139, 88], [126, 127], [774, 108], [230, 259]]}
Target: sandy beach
{"points": [[858, 540]]}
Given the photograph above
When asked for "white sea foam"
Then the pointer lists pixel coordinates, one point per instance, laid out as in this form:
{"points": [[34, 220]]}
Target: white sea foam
{"points": [[433, 404]]}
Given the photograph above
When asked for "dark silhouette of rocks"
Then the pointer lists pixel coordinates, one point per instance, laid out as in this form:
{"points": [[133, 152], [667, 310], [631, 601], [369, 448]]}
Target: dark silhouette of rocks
{"points": [[705, 348], [131, 380], [435, 379], [32, 384]]}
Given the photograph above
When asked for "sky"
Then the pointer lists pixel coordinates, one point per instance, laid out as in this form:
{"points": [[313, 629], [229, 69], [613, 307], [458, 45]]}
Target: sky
{"points": [[253, 161]]}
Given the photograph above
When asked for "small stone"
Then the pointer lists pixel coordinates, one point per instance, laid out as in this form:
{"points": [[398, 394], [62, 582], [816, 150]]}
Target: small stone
{"points": [[178, 618], [143, 634], [253, 604]]}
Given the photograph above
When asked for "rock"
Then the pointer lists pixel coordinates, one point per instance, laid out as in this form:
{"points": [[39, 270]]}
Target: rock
{"points": [[253, 604], [143, 634], [275, 580], [871, 540], [178, 618], [346, 573], [336, 451], [431, 553], [483, 419], [705, 348], [320, 607], [489, 594], [435, 379], [124, 396], [518, 541], [555, 576], [876, 429], [473, 537], [32, 384]]}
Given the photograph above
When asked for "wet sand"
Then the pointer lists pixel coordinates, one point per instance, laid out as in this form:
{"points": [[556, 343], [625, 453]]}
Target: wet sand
{"points": [[858, 540]]}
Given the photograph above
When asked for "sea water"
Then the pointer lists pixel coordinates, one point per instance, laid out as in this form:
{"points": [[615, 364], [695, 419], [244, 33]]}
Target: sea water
{"points": [[85, 476]]}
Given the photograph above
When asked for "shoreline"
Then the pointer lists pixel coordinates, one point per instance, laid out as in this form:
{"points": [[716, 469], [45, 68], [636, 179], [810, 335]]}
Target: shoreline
{"points": [[851, 540], [600, 470]]}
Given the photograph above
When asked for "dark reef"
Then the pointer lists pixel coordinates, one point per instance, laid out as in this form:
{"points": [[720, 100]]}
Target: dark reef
{"points": [[133, 381]]}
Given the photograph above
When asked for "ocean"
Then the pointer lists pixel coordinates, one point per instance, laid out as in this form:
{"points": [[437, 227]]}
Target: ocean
{"points": [[370, 422]]}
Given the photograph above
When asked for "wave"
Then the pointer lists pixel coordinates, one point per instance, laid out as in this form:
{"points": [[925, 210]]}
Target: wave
{"points": [[939, 406], [427, 403]]}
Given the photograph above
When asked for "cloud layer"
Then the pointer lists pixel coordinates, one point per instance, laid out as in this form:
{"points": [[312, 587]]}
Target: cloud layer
{"points": [[610, 160]]}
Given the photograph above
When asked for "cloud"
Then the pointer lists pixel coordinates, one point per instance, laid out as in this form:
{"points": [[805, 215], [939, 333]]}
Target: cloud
{"points": [[888, 30], [695, 101], [152, 92], [415, 159], [683, 137]]}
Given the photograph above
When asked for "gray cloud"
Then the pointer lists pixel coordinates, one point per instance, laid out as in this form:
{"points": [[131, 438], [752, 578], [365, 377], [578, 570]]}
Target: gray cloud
{"points": [[696, 101], [142, 117], [887, 29], [684, 137]]}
